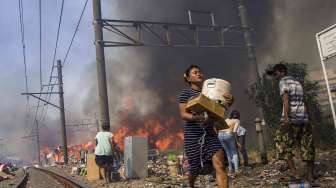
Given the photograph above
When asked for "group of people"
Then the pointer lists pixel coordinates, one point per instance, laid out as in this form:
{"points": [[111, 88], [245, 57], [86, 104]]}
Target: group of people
{"points": [[204, 144]]}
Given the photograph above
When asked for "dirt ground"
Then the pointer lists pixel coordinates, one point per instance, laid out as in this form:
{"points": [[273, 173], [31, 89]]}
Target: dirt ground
{"points": [[273, 174]]}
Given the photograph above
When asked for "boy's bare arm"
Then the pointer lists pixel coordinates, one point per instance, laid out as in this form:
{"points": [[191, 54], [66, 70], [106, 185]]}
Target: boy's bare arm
{"points": [[285, 103]]}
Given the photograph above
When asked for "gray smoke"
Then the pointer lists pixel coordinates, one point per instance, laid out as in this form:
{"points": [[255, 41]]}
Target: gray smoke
{"points": [[290, 32], [151, 78], [284, 31]]}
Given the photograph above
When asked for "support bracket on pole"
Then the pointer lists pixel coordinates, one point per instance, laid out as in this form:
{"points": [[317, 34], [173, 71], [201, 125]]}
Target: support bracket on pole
{"points": [[39, 98]]}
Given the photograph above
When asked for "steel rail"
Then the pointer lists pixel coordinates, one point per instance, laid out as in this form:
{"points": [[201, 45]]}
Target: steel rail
{"points": [[23, 181], [68, 183]]}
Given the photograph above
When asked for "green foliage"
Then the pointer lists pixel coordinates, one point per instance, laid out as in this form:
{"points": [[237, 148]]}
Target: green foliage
{"points": [[326, 138], [265, 93]]}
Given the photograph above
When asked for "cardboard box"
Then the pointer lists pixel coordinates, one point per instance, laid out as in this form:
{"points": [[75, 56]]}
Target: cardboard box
{"points": [[220, 125], [215, 110], [202, 103], [92, 168]]}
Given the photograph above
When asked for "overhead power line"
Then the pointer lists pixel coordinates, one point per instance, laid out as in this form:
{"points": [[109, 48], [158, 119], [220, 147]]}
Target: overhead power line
{"points": [[23, 47], [67, 53], [58, 32], [54, 55], [40, 23], [75, 32]]}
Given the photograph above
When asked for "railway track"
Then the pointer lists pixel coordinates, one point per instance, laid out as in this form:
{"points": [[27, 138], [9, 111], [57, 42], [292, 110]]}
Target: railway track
{"points": [[42, 178], [22, 182]]}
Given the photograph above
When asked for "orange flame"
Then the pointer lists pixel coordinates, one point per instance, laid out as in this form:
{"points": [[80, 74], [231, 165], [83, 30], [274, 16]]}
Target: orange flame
{"points": [[161, 135], [164, 143], [119, 136], [180, 136], [44, 151], [73, 151]]}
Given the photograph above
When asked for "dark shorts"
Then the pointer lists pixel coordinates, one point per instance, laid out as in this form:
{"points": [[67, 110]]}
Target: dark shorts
{"points": [[102, 160], [290, 136]]}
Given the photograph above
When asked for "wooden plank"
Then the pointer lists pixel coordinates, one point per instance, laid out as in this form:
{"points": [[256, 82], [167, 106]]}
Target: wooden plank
{"points": [[92, 168]]}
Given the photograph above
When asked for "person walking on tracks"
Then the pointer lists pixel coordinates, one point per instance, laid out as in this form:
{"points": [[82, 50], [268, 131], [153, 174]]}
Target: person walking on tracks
{"points": [[104, 153], [294, 126], [200, 140]]}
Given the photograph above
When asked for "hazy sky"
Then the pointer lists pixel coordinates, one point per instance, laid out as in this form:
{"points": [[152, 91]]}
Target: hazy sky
{"points": [[285, 30], [14, 121]]}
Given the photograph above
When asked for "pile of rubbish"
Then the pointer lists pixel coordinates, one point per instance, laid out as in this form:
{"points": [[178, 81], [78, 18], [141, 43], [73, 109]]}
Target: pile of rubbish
{"points": [[170, 170], [7, 171], [79, 170]]}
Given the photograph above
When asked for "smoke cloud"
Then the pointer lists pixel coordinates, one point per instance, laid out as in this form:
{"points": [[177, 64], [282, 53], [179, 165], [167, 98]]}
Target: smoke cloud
{"points": [[290, 31], [146, 81]]}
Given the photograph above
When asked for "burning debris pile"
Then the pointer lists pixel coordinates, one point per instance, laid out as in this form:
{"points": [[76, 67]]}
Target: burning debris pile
{"points": [[162, 133], [76, 153]]}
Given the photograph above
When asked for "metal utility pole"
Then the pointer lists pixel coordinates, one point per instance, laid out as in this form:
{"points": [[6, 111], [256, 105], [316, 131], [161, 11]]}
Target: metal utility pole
{"points": [[97, 125], [100, 58], [261, 143], [97, 122], [62, 114], [248, 35], [252, 58], [38, 142]]}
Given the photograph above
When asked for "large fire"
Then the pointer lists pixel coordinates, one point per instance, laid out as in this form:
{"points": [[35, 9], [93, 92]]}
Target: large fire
{"points": [[158, 138], [163, 132], [160, 135], [57, 153]]}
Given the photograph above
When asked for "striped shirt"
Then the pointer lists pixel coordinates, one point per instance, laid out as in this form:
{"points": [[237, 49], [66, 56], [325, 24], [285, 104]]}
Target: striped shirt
{"points": [[200, 141], [298, 111]]}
